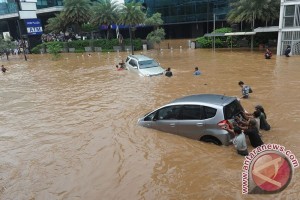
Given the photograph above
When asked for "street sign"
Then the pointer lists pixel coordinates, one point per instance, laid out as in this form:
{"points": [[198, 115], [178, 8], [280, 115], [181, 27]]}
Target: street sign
{"points": [[34, 26]]}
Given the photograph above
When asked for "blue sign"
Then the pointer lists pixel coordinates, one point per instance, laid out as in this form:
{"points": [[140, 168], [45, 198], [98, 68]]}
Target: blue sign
{"points": [[34, 26]]}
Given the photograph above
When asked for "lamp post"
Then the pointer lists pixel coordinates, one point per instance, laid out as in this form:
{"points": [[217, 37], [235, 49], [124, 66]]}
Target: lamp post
{"points": [[20, 31]]}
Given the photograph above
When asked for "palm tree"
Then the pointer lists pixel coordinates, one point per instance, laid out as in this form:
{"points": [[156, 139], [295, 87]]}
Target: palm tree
{"points": [[77, 12], [132, 15], [56, 24], [105, 12], [249, 11]]}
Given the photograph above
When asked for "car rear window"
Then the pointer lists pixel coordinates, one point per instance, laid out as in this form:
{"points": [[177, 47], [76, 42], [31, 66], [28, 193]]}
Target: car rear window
{"points": [[233, 109]]}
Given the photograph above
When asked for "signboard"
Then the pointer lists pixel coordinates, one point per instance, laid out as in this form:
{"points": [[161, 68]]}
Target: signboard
{"points": [[27, 14], [34, 26]]}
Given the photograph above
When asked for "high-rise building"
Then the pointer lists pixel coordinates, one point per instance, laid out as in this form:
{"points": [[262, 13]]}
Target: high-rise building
{"points": [[289, 27], [188, 18]]}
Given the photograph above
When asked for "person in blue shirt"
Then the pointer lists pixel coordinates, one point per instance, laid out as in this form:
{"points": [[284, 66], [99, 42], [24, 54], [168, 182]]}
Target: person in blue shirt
{"points": [[245, 90], [197, 72]]}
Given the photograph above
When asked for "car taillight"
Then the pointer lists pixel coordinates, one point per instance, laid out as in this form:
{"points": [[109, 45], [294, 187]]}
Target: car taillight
{"points": [[224, 124]]}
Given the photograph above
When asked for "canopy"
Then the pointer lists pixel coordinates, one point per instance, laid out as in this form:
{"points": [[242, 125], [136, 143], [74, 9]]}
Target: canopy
{"points": [[228, 34]]}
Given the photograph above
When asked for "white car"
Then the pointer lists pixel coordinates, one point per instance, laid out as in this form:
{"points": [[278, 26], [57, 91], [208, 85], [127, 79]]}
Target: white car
{"points": [[143, 65]]}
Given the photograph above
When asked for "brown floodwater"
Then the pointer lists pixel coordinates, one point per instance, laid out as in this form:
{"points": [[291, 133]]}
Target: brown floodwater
{"points": [[69, 127]]}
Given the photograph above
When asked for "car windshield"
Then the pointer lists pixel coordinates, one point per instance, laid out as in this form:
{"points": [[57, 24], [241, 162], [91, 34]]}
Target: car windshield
{"points": [[233, 109], [147, 64]]}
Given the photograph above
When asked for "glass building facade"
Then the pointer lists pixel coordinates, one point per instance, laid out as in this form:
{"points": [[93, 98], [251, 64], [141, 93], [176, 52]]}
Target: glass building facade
{"points": [[289, 27], [188, 18]]}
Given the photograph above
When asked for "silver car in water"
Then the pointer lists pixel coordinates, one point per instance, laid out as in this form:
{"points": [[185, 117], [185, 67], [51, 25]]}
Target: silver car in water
{"points": [[201, 117], [143, 65]]}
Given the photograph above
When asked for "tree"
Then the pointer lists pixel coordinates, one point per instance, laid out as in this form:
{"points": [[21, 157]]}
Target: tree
{"points": [[105, 12], [156, 36], [132, 15], [155, 21], [54, 49], [77, 12], [5, 45], [56, 24], [249, 11], [159, 33]]}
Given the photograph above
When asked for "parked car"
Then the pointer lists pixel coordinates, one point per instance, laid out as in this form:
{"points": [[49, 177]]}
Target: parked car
{"points": [[201, 117], [143, 65]]}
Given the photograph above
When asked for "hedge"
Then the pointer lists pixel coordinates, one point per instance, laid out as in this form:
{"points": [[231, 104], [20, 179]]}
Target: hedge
{"points": [[107, 45]]}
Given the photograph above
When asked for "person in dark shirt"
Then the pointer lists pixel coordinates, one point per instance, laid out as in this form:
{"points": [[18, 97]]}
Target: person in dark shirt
{"points": [[287, 51], [253, 134], [3, 69], [168, 72], [264, 125]]}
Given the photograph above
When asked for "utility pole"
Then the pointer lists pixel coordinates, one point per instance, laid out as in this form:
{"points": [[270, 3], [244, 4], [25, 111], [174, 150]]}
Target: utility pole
{"points": [[23, 45]]}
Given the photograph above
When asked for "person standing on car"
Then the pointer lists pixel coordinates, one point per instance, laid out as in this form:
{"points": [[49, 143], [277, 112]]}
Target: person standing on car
{"points": [[168, 72], [239, 141], [245, 90]]}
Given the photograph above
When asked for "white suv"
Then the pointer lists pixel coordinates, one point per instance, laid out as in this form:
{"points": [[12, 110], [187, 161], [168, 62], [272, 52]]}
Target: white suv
{"points": [[143, 65]]}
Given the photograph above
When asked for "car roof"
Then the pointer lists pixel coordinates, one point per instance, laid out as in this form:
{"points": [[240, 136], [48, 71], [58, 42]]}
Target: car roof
{"points": [[140, 57], [215, 99]]}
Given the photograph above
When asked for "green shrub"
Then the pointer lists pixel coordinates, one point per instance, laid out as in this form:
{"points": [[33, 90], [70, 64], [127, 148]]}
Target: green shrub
{"points": [[54, 49], [107, 45]]}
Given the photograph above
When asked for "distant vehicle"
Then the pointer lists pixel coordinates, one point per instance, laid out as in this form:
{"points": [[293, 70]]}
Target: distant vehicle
{"points": [[201, 117], [143, 65]]}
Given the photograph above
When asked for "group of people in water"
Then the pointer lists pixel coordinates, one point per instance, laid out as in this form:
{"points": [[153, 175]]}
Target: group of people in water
{"points": [[268, 53], [169, 73], [248, 124]]}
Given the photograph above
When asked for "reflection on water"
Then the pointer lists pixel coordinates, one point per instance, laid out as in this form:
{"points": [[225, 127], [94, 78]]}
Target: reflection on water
{"points": [[68, 128]]}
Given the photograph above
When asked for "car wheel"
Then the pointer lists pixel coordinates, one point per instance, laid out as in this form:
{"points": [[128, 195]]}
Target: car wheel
{"points": [[211, 139]]}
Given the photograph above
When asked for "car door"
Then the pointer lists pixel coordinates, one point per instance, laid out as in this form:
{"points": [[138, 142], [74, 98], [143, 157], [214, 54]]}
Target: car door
{"points": [[133, 66], [191, 122], [164, 119]]}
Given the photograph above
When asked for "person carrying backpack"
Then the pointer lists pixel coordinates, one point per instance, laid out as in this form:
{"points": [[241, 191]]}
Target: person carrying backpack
{"points": [[245, 90]]}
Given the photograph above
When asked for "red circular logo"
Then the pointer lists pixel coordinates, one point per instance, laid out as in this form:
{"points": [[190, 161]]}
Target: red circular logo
{"points": [[271, 172]]}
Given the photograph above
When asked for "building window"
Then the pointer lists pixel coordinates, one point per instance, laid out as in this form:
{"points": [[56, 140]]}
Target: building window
{"points": [[289, 16]]}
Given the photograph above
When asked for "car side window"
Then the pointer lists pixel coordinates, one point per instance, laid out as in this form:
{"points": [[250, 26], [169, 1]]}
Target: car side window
{"points": [[133, 63], [191, 112], [169, 113], [209, 112], [150, 117], [127, 59]]}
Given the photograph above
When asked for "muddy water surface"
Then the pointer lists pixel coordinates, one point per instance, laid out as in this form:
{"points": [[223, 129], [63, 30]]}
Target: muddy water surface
{"points": [[68, 128]]}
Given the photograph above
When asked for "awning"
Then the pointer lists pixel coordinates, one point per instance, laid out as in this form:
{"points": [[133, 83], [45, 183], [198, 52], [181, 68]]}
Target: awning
{"points": [[266, 29], [239, 33], [228, 34]]}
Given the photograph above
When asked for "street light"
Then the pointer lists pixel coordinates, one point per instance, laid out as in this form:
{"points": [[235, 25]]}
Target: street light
{"points": [[23, 45]]}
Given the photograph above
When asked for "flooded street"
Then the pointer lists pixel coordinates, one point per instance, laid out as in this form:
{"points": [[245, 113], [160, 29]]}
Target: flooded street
{"points": [[69, 127]]}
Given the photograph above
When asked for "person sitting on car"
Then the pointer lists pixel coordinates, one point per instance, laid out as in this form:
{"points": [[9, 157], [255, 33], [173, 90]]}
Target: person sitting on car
{"points": [[239, 141]]}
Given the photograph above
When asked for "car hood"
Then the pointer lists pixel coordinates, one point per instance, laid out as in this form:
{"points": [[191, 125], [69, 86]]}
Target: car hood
{"points": [[152, 71]]}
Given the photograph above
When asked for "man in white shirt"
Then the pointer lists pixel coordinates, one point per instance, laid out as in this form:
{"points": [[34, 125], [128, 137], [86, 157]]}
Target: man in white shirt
{"points": [[239, 140]]}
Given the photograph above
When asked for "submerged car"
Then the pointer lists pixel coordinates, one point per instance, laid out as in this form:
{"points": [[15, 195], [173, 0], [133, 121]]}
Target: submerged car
{"points": [[201, 117], [143, 65]]}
